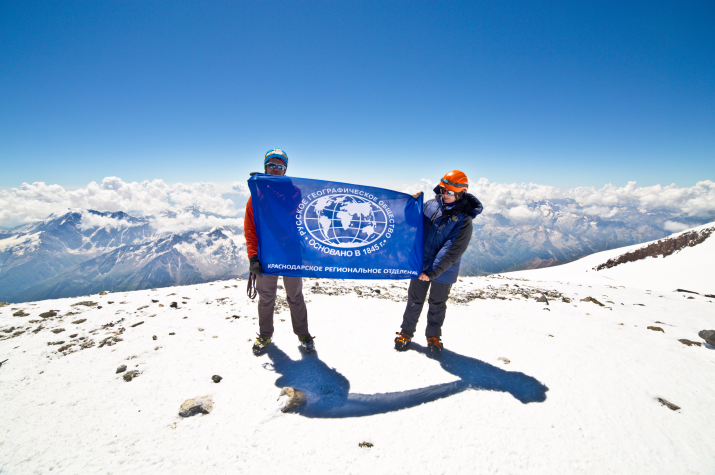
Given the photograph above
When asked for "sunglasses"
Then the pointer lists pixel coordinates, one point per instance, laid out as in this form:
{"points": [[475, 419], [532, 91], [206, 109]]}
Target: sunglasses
{"points": [[275, 166], [442, 191]]}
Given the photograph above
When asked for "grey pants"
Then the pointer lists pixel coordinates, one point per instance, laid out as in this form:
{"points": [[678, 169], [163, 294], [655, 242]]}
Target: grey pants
{"points": [[438, 295], [266, 286]]}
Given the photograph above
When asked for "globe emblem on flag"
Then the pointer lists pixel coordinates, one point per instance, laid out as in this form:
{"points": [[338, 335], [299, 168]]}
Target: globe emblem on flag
{"points": [[345, 221]]}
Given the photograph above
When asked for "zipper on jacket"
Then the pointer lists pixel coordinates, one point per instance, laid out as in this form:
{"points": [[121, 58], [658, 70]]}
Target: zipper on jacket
{"points": [[434, 216]]}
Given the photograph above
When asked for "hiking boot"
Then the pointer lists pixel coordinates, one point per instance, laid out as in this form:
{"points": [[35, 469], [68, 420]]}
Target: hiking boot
{"points": [[402, 341], [306, 343], [434, 345], [259, 346]]}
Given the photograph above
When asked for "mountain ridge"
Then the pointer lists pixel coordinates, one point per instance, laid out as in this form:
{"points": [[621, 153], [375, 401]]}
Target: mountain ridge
{"points": [[75, 252]]}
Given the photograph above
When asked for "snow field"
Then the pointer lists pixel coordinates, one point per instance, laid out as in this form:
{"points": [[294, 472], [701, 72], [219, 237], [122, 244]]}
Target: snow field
{"points": [[689, 268], [466, 413]]}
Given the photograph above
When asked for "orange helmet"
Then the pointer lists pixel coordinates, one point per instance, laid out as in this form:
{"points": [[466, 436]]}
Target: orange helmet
{"points": [[455, 181]]}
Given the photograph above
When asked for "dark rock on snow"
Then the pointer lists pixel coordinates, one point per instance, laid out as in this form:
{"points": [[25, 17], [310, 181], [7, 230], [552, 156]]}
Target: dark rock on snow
{"points": [[667, 404], [121, 369], [129, 375], [689, 342], [216, 378], [295, 397], [591, 299], [708, 336], [197, 405], [664, 247]]}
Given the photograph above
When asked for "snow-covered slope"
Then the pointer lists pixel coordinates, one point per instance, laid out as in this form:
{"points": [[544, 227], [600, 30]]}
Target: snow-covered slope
{"points": [[579, 394], [692, 268]]}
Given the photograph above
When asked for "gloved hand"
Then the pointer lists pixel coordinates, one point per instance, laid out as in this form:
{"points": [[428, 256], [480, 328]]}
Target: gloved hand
{"points": [[255, 266]]}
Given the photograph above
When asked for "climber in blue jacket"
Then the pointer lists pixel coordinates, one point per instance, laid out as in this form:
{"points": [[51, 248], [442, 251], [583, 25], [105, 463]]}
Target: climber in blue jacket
{"points": [[447, 225]]}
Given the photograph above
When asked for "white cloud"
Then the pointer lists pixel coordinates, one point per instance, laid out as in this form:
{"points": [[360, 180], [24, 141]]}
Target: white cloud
{"points": [[675, 226], [523, 214], [186, 222], [36, 201], [91, 221], [697, 201], [602, 211]]}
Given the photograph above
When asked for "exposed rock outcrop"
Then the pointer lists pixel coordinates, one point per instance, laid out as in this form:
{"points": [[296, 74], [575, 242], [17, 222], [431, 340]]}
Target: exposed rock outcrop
{"points": [[664, 248]]}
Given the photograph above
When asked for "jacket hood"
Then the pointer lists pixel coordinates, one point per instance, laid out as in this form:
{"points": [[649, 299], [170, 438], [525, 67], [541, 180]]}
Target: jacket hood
{"points": [[472, 206], [469, 204]]}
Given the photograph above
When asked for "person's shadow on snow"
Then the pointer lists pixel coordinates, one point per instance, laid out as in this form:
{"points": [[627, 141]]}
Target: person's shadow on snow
{"points": [[328, 392]]}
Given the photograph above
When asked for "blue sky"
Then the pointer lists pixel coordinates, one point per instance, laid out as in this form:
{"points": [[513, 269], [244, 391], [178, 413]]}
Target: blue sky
{"points": [[378, 93]]}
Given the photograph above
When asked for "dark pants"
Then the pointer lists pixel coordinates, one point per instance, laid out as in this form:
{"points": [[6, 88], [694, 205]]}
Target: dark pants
{"points": [[266, 286], [438, 295]]}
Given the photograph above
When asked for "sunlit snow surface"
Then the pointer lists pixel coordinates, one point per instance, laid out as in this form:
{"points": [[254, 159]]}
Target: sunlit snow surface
{"points": [[578, 397]]}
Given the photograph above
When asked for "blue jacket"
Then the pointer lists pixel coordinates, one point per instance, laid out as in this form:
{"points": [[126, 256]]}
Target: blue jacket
{"points": [[446, 236]]}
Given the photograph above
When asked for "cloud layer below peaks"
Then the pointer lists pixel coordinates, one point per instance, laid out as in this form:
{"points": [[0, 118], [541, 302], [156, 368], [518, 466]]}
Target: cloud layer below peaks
{"points": [[518, 202]]}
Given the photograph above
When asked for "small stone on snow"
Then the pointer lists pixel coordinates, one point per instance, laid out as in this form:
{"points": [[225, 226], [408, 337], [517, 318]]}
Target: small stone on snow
{"points": [[128, 376], [197, 405], [667, 404], [293, 398], [708, 336]]}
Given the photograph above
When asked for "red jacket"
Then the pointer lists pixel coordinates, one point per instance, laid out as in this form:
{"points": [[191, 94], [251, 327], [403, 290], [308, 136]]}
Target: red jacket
{"points": [[249, 230]]}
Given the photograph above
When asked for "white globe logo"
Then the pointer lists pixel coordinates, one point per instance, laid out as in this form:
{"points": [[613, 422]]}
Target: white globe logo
{"points": [[345, 221]]}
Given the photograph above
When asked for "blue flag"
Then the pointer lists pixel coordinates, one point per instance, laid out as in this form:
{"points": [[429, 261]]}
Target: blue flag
{"points": [[325, 229]]}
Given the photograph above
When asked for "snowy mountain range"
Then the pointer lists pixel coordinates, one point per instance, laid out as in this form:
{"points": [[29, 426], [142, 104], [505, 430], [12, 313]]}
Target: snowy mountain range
{"points": [[564, 370], [551, 233], [84, 251]]}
